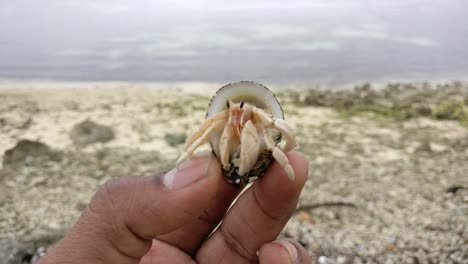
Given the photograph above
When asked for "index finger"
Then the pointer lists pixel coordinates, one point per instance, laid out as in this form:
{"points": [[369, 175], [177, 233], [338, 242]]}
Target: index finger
{"points": [[258, 216]]}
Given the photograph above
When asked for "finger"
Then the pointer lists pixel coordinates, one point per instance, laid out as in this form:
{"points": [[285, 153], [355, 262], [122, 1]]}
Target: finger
{"points": [[189, 237], [126, 213], [161, 252], [258, 216], [285, 251]]}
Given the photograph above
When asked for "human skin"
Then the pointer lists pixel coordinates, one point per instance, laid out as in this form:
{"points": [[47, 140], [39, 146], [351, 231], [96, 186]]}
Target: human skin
{"points": [[170, 218]]}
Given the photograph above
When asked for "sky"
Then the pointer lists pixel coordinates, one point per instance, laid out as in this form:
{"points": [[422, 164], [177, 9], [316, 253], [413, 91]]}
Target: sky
{"points": [[322, 41]]}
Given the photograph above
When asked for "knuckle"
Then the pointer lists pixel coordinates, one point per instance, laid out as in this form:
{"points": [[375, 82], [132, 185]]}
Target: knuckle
{"points": [[269, 215], [109, 194], [116, 186], [106, 208], [234, 244]]}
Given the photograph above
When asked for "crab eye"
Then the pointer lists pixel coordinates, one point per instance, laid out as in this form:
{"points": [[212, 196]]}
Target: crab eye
{"points": [[227, 104], [241, 104]]}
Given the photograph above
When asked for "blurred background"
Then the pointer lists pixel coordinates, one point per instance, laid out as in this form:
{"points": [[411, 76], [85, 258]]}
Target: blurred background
{"points": [[376, 91], [330, 42]]}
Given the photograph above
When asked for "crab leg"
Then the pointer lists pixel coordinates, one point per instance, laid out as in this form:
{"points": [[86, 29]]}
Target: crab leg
{"points": [[250, 148], [216, 126], [278, 154], [280, 125], [206, 125], [225, 146], [287, 132]]}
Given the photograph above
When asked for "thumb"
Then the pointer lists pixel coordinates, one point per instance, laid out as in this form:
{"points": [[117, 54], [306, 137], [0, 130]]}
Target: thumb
{"points": [[127, 212], [284, 251]]}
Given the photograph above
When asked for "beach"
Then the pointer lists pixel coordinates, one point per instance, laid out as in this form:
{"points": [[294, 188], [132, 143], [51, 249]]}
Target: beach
{"points": [[388, 176]]}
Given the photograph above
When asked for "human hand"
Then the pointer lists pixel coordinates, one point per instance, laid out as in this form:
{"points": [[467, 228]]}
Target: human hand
{"points": [[170, 219]]}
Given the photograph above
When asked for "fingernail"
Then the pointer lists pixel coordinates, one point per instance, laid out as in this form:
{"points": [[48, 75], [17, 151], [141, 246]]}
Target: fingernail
{"points": [[188, 172], [290, 248]]}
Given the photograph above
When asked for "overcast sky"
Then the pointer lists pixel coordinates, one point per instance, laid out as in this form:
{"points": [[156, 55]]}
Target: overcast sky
{"points": [[274, 41]]}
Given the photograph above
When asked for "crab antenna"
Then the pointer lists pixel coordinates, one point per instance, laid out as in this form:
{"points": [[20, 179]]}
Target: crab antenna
{"points": [[241, 104]]}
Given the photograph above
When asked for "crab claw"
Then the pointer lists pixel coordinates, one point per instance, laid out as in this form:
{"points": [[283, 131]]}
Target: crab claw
{"points": [[250, 148], [288, 133]]}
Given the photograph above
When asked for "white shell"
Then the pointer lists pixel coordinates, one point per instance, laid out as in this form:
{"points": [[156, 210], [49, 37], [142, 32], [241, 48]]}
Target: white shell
{"points": [[250, 92]]}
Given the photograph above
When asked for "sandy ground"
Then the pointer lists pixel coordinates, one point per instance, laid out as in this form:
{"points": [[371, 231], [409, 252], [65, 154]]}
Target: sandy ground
{"points": [[379, 190]]}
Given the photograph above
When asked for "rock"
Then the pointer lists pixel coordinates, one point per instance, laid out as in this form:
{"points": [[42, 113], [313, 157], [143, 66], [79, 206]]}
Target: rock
{"points": [[3, 194], [88, 132], [323, 260], [26, 150], [8, 249], [437, 148], [26, 124], [304, 217], [14, 251], [6, 174], [175, 139], [453, 189]]}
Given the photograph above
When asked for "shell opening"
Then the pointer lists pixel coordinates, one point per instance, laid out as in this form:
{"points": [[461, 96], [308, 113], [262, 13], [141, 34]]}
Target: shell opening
{"points": [[245, 92]]}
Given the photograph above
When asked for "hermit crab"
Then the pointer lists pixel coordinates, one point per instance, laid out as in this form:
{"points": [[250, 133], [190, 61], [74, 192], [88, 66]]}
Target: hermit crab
{"points": [[246, 129]]}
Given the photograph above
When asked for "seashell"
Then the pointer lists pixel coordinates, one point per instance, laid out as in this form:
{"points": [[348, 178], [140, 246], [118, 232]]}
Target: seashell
{"points": [[246, 130]]}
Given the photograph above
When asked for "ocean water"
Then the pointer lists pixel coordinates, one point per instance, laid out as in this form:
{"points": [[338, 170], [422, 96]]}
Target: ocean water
{"points": [[329, 42]]}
